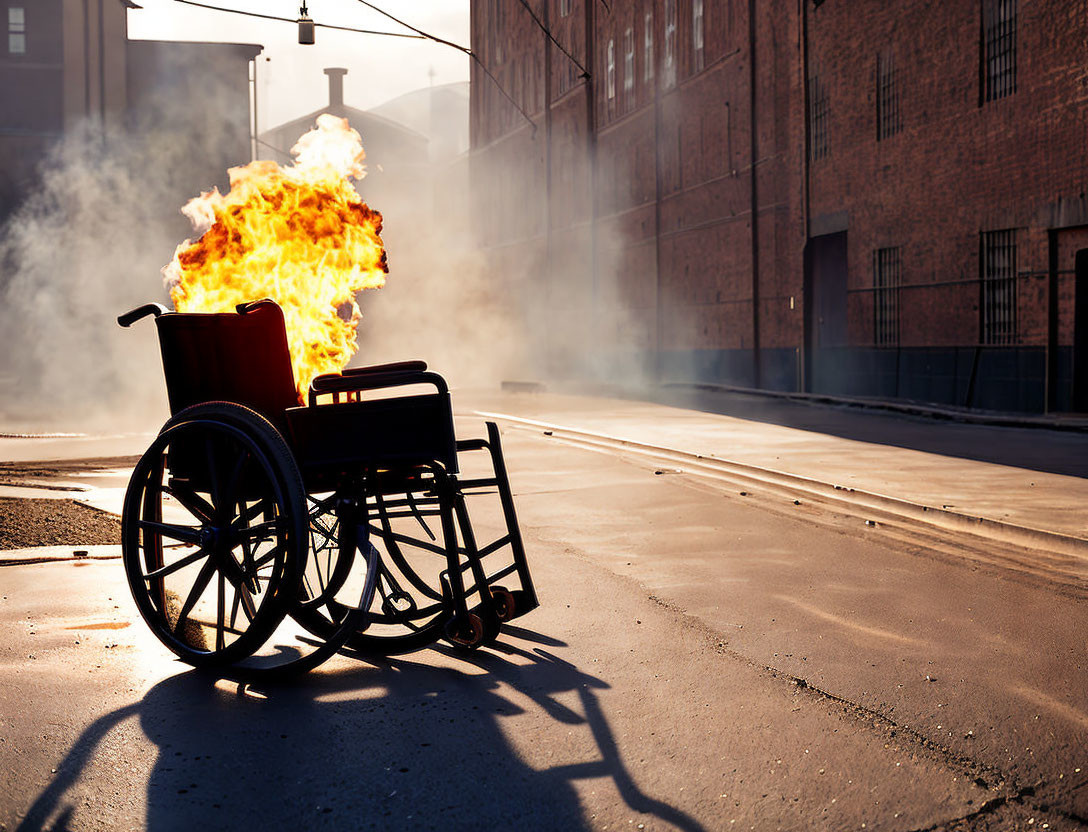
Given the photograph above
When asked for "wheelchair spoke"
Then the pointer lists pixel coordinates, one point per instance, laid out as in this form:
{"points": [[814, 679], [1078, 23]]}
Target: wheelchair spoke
{"points": [[234, 605], [221, 603], [196, 505], [243, 601], [163, 571], [199, 585], [245, 515], [254, 534], [188, 534], [266, 559]]}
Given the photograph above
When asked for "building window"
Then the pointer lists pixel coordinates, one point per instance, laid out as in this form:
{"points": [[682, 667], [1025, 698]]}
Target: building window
{"points": [[629, 67], [998, 278], [610, 76], [670, 43], [888, 121], [998, 51], [886, 283], [648, 47], [819, 116], [697, 32], [565, 7], [16, 30]]}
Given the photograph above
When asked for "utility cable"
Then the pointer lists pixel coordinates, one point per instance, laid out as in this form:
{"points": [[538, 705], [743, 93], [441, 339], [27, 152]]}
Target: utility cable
{"points": [[417, 34], [551, 37], [463, 49], [292, 20]]}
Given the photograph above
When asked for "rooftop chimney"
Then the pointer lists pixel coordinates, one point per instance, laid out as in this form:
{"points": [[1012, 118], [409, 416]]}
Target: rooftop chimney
{"points": [[336, 85]]}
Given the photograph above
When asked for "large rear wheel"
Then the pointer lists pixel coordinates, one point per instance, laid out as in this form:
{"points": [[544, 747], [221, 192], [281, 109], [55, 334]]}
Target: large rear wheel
{"points": [[213, 533]]}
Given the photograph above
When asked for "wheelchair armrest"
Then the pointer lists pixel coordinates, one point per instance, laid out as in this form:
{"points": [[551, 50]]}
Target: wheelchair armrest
{"points": [[333, 383], [395, 367]]}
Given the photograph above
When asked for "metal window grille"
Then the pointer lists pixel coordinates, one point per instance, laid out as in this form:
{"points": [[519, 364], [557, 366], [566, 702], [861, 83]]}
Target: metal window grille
{"points": [[670, 42], [887, 278], [697, 32], [565, 7], [819, 117], [998, 279], [629, 66], [888, 121], [648, 46], [610, 77], [16, 30], [998, 48]]}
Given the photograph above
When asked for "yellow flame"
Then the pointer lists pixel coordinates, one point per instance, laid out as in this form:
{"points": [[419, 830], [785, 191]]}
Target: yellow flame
{"points": [[300, 235]]}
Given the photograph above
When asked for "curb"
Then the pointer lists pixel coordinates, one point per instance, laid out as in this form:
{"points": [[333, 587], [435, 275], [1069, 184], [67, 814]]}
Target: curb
{"points": [[716, 467], [907, 408]]}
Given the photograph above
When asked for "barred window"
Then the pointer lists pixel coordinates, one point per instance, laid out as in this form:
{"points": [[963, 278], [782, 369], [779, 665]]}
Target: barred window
{"points": [[629, 67], [697, 32], [888, 122], [998, 280], [648, 46], [886, 282], [16, 30], [670, 43], [820, 114], [610, 76], [998, 50]]}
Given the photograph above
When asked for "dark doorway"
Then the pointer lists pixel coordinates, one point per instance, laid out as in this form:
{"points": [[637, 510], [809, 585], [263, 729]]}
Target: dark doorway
{"points": [[1067, 320], [1080, 332], [825, 320]]}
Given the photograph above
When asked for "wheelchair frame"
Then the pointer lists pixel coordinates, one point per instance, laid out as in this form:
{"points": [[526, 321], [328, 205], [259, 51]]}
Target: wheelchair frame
{"points": [[264, 536]]}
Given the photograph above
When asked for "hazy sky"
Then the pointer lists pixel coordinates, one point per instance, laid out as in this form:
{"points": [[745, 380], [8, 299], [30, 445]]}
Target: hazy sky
{"points": [[290, 78]]}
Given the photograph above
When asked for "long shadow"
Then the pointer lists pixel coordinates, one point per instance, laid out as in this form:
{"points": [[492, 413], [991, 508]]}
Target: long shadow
{"points": [[1036, 449], [394, 744]]}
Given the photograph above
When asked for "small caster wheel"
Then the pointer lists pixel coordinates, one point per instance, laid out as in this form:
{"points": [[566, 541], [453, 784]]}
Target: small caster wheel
{"points": [[469, 635], [506, 607]]}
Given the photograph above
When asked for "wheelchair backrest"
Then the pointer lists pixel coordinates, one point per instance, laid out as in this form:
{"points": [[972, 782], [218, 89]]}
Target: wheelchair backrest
{"points": [[236, 357]]}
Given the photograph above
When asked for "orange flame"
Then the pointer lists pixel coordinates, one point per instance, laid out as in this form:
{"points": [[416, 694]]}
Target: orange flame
{"points": [[300, 235]]}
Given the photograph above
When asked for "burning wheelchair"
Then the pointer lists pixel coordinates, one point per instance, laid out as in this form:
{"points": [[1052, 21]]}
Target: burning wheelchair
{"points": [[265, 536]]}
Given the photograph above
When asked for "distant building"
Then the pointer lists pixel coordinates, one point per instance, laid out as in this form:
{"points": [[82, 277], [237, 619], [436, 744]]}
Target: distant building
{"points": [[439, 113], [199, 96], [396, 156], [67, 63], [863, 198]]}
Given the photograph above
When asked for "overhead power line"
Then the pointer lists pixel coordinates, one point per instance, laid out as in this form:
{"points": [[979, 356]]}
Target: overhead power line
{"points": [[293, 20], [463, 49], [416, 34], [551, 37]]}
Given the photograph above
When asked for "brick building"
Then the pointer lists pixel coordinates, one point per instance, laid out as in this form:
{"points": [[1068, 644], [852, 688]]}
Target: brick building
{"points": [[66, 65], [863, 199]]}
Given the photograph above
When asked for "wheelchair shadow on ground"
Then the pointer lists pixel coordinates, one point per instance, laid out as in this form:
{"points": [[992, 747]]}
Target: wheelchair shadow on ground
{"points": [[393, 743]]}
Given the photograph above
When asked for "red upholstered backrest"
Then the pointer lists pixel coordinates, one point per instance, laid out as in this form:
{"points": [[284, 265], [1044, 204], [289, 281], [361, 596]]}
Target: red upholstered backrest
{"points": [[231, 357]]}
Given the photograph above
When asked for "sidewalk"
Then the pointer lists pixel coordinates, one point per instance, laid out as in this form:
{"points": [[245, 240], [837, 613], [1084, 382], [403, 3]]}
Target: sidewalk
{"points": [[1026, 476]]}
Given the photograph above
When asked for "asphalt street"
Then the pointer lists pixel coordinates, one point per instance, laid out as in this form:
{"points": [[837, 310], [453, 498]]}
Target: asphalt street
{"points": [[717, 648]]}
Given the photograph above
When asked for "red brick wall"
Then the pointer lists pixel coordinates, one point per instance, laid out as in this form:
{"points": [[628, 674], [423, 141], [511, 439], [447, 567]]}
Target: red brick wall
{"points": [[958, 168], [670, 218]]}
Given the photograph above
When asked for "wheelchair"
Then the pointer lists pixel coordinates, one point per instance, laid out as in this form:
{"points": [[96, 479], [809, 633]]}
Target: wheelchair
{"points": [[262, 536]]}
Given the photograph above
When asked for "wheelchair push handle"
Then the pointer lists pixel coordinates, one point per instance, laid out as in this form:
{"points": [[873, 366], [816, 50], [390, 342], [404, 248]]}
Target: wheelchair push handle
{"points": [[129, 318]]}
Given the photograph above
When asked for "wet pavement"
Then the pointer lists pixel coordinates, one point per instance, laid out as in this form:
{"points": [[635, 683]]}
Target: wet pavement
{"points": [[703, 658]]}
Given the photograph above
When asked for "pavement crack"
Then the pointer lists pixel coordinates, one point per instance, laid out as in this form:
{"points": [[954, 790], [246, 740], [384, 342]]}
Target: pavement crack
{"points": [[985, 776], [987, 808], [991, 806]]}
